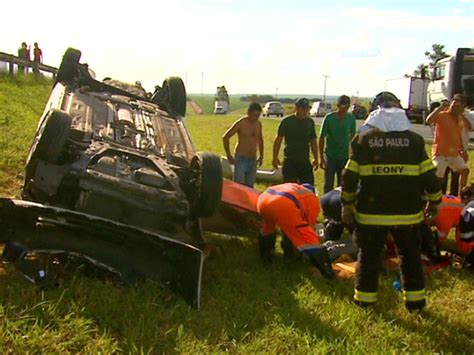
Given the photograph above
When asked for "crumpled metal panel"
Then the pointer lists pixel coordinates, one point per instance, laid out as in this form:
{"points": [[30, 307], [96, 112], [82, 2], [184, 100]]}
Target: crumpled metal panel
{"points": [[133, 253]]}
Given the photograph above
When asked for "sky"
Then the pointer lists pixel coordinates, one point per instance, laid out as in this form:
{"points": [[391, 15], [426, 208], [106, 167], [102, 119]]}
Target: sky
{"points": [[252, 47]]}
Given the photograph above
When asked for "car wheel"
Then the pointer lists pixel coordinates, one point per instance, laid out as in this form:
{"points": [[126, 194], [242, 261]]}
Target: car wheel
{"points": [[207, 183], [51, 137], [69, 68], [174, 93]]}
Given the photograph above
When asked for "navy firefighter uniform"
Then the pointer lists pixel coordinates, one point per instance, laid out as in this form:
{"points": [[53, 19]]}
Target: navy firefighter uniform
{"points": [[382, 187]]}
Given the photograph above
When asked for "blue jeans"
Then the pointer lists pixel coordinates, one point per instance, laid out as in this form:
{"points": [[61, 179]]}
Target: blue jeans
{"points": [[333, 167], [245, 170]]}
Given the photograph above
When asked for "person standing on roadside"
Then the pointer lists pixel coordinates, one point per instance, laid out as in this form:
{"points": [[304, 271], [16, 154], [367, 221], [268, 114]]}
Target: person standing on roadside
{"points": [[298, 132], [337, 130], [37, 57], [447, 149], [250, 138], [454, 184], [37, 53], [24, 54]]}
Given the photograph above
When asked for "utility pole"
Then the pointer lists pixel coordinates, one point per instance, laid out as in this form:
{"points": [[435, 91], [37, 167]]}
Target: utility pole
{"points": [[276, 93], [325, 80], [202, 83]]}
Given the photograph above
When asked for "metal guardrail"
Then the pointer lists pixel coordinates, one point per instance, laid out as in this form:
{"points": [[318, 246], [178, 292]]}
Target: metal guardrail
{"points": [[27, 64]]}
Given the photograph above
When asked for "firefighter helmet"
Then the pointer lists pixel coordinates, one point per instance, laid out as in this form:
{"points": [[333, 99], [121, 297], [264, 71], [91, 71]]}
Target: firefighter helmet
{"points": [[384, 99]]}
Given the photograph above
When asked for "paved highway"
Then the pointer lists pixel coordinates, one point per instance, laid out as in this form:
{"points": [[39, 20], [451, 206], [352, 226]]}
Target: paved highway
{"points": [[425, 131]]}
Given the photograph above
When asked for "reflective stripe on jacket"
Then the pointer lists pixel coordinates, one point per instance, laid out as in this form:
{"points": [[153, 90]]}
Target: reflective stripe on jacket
{"points": [[386, 176]]}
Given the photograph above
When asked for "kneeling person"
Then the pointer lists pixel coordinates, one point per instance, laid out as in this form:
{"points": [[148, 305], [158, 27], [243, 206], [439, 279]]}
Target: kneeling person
{"points": [[294, 208]]}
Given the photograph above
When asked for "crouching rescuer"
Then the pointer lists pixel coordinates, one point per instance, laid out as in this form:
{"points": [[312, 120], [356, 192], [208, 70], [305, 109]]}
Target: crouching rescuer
{"points": [[294, 208], [382, 187]]}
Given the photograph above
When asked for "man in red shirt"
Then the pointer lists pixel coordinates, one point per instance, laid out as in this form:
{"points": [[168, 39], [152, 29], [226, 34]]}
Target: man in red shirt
{"points": [[37, 54], [447, 149], [295, 209]]}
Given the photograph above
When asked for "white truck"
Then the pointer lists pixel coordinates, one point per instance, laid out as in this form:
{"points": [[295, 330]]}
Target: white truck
{"points": [[221, 101], [453, 75], [412, 92]]}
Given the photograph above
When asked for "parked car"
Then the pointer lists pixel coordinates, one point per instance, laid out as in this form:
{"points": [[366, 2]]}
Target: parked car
{"points": [[360, 112], [320, 109], [112, 176], [274, 108]]}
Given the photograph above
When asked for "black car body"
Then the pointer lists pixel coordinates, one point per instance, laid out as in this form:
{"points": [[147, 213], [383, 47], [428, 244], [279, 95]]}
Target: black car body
{"points": [[116, 163]]}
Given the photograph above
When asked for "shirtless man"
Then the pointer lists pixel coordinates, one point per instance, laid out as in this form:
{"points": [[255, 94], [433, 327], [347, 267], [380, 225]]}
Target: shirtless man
{"points": [[249, 132]]}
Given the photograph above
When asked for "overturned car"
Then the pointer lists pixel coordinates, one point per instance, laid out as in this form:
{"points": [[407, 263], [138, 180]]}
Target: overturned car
{"points": [[112, 177]]}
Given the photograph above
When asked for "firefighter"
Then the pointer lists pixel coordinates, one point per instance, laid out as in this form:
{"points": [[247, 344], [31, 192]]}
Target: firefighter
{"points": [[294, 208], [382, 186], [465, 234], [458, 212]]}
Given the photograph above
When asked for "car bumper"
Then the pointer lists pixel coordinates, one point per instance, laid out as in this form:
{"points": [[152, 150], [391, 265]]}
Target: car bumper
{"points": [[131, 252]]}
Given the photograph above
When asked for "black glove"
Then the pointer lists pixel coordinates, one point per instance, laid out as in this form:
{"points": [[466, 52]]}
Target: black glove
{"points": [[322, 262]]}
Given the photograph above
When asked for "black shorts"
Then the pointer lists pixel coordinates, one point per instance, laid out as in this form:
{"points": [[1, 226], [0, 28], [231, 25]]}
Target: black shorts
{"points": [[299, 172]]}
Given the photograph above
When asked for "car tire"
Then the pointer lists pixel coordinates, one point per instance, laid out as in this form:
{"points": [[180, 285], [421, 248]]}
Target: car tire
{"points": [[207, 190], [68, 70], [174, 93], [51, 137]]}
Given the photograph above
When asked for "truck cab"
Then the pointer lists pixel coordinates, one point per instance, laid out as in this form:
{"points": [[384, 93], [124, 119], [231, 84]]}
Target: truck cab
{"points": [[221, 101], [451, 75]]}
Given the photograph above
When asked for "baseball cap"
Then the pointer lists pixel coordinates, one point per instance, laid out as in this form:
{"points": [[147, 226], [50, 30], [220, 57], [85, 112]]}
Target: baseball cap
{"points": [[344, 101], [302, 102]]}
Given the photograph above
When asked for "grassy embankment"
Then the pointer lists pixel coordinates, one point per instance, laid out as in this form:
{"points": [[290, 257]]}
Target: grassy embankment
{"points": [[246, 307]]}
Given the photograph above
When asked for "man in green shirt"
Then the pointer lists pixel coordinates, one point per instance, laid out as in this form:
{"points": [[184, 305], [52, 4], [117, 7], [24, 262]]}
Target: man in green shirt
{"points": [[299, 133], [337, 130]]}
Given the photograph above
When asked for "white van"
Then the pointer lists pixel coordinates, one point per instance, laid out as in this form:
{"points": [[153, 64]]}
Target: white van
{"points": [[319, 109], [273, 108]]}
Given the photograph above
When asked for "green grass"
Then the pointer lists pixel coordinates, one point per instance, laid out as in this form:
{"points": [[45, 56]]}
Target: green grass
{"points": [[246, 307], [22, 101]]}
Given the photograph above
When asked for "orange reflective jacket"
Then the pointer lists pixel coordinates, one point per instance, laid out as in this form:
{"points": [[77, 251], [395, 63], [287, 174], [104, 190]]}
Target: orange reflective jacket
{"points": [[295, 210]]}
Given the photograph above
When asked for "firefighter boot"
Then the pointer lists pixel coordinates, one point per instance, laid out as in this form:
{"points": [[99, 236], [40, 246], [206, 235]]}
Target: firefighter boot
{"points": [[266, 247], [320, 259], [415, 306]]}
